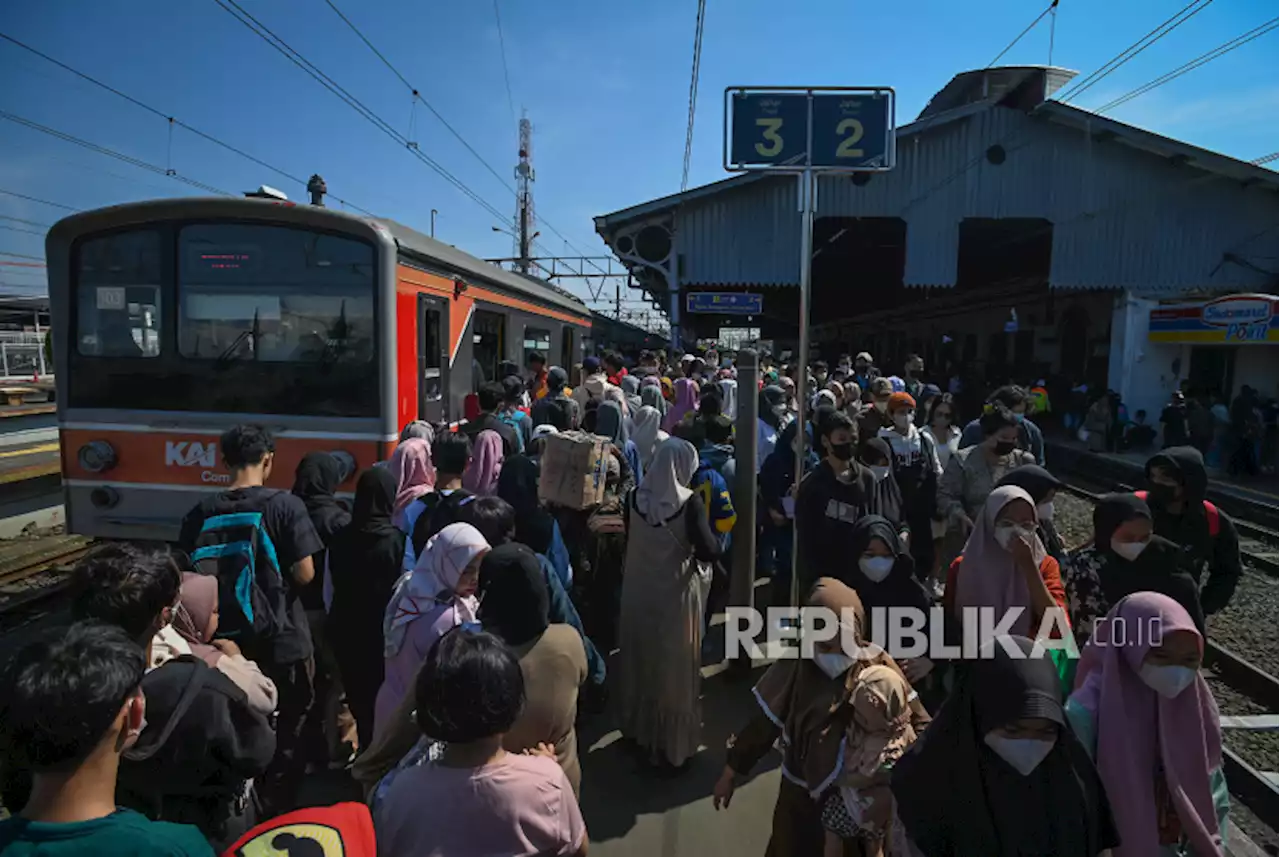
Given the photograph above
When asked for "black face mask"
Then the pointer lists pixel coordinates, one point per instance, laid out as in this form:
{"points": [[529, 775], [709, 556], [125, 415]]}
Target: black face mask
{"points": [[1004, 447], [842, 451], [1162, 494]]}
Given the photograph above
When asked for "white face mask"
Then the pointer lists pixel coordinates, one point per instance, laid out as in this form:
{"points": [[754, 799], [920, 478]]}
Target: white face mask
{"points": [[834, 664], [1044, 511], [880, 471], [902, 420], [1129, 550], [876, 568], [1168, 681], [1024, 755], [1006, 533]]}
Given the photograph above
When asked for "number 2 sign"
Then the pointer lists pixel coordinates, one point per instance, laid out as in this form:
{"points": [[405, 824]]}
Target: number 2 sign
{"points": [[809, 128]]}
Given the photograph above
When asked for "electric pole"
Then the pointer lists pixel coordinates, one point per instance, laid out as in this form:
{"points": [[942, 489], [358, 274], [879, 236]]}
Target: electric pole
{"points": [[617, 301], [524, 198]]}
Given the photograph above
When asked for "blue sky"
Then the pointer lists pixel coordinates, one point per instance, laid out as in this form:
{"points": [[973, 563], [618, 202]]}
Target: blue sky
{"points": [[605, 84]]}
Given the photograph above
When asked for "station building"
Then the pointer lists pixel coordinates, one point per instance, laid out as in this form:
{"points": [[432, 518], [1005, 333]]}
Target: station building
{"points": [[1017, 237]]}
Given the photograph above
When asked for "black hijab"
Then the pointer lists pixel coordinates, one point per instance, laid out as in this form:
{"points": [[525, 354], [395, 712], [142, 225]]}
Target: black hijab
{"points": [[518, 485], [1039, 483], [514, 601], [316, 479], [885, 497], [1159, 568], [365, 555], [957, 797], [901, 588], [773, 405]]}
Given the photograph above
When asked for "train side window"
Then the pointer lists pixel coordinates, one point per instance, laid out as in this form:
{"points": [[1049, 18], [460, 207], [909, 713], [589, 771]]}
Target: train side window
{"points": [[118, 295], [536, 339], [488, 330]]}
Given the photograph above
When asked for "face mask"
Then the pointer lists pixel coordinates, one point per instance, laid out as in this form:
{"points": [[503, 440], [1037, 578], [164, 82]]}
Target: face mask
{"points": [[882, 406], [876, 568], [1020, 417], [1044, 511], [1129, 550], [834, 664], [1162, 493], [1006, 533], [1168, 681], [1004, 447], [861, 368], [879, 471], [842, 451], [1024, 755], [902, 420]]}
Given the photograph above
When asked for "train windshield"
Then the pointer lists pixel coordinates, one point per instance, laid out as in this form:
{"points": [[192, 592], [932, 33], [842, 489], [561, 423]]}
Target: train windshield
{"points": [[225, 317]]}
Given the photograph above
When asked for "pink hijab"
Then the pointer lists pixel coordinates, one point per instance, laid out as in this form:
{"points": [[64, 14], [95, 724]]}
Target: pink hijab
{"points": [[481, 476], [989, 577], [198, 601], [414, 473], [686, 401], [1138, 729]]}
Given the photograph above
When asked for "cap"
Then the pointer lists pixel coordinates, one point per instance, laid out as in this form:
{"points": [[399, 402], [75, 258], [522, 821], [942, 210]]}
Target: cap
{"points": [[591, 364], [901, 400], [863, 357]]}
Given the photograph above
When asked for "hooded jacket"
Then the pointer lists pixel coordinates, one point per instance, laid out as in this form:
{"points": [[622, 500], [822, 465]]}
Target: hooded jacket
{"points": [[1189, 529]]}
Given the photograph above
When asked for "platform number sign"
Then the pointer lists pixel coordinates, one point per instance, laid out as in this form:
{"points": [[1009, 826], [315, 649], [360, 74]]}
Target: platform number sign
{"points": [[798, 129]]}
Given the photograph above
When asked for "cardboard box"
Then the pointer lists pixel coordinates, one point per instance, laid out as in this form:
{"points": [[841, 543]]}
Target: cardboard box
{"points": [[574, 466]]}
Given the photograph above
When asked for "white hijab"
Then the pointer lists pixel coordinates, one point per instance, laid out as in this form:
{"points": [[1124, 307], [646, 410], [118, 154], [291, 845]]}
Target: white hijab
{"points": [[647, 433], [665, 487], [729, 394], [429, 586]]}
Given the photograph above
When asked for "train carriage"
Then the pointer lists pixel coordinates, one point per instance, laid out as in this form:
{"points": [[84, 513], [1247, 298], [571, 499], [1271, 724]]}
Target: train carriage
{"points": [[175, 319]]}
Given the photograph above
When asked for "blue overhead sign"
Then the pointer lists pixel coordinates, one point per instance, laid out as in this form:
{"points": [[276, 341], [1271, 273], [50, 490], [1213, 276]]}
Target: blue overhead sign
{"points": [[809, 128], [725, 303]]}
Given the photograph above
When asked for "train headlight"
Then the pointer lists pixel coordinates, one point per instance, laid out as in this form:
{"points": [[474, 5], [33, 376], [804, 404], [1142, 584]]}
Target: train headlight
{"points": [[104, 497], [347, 463], [97, 456]]}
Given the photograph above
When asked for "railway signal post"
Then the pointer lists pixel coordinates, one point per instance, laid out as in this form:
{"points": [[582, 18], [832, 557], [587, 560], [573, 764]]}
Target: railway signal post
{"points": [[807, 131]]}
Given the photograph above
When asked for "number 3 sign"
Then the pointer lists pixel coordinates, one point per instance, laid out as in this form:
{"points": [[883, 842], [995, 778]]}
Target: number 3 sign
{"points": [[782, 129]]}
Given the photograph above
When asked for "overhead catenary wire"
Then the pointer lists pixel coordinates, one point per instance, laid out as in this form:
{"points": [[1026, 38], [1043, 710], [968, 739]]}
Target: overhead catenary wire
{"points": [[20, 229], [502, 49], [693, 91], [27, 222], [267, 35], [37, 199], [1191, 65], [112, 153], [1052, 6], [172, 120]]}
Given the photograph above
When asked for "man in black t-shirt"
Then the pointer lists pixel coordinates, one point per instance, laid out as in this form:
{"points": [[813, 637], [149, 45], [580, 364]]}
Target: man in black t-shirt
{"points": [[287, 656], [490, 397]]}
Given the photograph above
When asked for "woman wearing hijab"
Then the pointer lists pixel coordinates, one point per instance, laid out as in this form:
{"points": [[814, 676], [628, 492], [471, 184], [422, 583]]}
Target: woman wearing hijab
{"points": [[651, 395], [612, 423], [631, 392], [665, 583], [514, 605], [1042, 486], [419, 429], [481, 476], [535, 526], [647, 433], [885, 499], [1125, 557], [999, 773], [807, 703], [196, 621], [437, 595], [415, 476], [770, 422], [1005, 567], [853, 400], [729, 396], [883, 575], [1145, 713], [365, 559], [685, 402]]}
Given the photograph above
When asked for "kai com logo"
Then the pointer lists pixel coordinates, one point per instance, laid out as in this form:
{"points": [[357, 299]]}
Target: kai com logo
{"points": [[190, 454]]}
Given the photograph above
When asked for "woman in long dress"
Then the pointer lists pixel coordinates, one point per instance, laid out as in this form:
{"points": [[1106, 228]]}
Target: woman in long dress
{"points": [[664, 591]]}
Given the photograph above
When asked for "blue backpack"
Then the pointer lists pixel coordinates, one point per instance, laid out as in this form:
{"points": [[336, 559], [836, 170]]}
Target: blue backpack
{"points": [[235, 547]]}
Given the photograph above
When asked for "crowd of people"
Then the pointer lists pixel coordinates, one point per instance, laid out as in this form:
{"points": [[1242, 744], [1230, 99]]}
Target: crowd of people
{"points": [[441, 635]]}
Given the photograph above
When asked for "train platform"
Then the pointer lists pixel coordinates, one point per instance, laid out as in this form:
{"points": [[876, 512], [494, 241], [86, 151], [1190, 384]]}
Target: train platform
{"points": [[1130, 468], [27, 460]]}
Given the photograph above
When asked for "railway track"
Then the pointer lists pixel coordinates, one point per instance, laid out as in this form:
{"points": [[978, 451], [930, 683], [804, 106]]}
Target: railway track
{"points": [[29, 576], [1255, 789]]}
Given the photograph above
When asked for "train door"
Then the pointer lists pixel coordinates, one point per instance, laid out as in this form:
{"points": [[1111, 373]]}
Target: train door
{"points": [[566, 347], [489, 344], [433, 359]]}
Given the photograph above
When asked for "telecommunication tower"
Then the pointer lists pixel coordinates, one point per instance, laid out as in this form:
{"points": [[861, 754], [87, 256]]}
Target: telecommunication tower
{"points": [[524, 198]]}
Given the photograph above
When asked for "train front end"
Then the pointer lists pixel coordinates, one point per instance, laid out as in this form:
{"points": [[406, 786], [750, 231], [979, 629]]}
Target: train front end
{"points": [[176, 319]]}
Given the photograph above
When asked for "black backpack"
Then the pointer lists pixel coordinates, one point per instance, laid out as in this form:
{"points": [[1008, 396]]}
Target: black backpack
{"points": [[235, 547]]}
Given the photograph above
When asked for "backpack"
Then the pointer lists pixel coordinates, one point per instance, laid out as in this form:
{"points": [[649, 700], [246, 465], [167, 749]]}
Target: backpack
{"points": [[1210, 514], [440, 511], [235, 547], [511, 419]]}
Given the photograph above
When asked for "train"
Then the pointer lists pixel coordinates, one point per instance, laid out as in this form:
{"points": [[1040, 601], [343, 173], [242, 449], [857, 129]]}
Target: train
{"points": [[175, 319]]}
